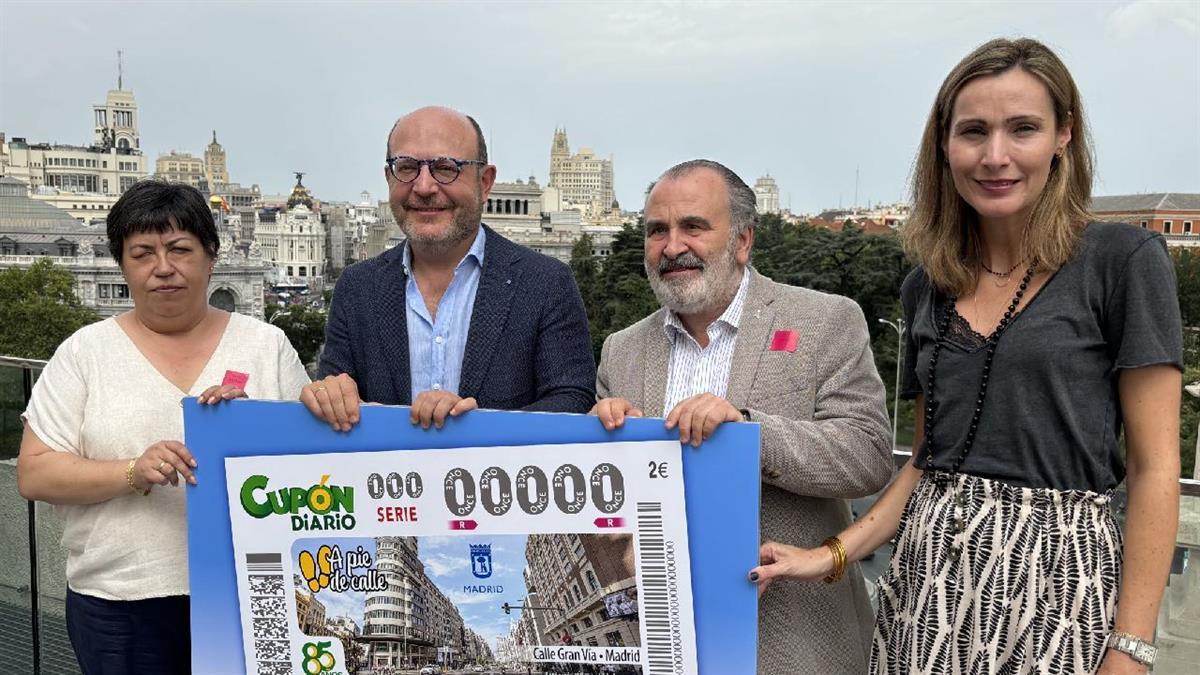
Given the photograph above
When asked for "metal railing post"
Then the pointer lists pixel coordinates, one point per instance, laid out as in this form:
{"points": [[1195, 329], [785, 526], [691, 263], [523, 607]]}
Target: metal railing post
{"points": [[35, 591]]}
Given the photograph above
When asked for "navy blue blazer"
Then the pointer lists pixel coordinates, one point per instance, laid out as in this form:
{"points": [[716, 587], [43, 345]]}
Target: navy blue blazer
{"points": [[527, 348]]}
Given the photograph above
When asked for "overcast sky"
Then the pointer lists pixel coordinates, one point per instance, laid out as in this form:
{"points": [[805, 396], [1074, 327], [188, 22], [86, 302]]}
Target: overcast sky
{"points": [[807, 91]]}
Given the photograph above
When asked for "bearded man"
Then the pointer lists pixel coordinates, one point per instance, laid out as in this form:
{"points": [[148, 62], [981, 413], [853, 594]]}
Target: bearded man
{"points": [[730, 345], [457, 317]]}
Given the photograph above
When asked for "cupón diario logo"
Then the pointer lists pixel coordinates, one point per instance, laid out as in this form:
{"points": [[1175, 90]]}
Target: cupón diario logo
{"points": [[317, 507]]}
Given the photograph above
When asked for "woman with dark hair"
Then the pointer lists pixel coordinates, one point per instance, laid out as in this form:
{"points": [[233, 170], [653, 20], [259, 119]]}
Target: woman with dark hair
{"points": [[103, 430], [1036, 337]]}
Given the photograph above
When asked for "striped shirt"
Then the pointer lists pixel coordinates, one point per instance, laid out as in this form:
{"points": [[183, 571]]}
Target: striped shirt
{"points": [[694, 370]]}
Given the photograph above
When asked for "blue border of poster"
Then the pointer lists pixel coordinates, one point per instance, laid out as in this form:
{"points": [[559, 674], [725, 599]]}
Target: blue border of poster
{"points": [[721, 488]]}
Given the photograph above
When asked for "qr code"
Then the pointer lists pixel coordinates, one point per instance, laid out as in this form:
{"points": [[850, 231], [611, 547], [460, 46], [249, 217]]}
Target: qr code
{"points": [[266, 584], [268, 607], [272, 629], [274, 669], [270, 650]]}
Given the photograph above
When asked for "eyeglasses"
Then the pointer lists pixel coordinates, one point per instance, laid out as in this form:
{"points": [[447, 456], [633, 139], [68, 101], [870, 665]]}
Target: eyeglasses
{"points": [[444, 170]]}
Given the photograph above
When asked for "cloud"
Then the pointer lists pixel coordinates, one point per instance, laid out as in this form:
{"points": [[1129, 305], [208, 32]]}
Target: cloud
{"points": [[459, 598], [1147, 18], [442, 564]]}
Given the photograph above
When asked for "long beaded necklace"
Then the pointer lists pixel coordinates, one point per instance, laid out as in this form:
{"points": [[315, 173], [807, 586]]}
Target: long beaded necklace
{"points": [[931, 403]]}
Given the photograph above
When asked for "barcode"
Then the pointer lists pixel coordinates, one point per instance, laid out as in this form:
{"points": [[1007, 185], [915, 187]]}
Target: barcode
{"points": [[268, 606], [656, 606]]}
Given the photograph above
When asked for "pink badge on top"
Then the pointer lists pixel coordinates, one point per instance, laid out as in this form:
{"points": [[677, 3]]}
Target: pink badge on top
{"points": [[785, 340], [235, 378]]}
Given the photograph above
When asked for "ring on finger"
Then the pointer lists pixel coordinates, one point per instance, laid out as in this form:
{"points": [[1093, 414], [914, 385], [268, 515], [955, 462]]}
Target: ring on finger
{"points": [[161, 465], [319, 387]]}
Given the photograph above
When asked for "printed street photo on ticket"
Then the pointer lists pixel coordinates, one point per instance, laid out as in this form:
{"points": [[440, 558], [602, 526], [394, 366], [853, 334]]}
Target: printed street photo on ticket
{"points": [[529, 559]]}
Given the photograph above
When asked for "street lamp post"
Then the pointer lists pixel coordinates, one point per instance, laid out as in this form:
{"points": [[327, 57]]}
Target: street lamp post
{"points": [[898, 326]]}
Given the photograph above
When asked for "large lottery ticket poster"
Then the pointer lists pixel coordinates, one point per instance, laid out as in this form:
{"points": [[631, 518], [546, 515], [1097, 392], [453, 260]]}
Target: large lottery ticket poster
{"points": [[505, 542]]}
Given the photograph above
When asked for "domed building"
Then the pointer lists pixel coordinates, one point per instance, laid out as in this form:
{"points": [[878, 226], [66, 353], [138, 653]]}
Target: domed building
{"points": [[293, 240]]}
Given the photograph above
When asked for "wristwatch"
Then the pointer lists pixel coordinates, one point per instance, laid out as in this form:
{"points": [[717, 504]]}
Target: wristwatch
{"points": [[1138, 649]]}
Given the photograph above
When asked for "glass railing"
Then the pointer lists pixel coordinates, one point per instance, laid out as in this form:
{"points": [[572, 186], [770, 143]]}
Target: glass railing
{"points": [[33, 580], [32, 564]]}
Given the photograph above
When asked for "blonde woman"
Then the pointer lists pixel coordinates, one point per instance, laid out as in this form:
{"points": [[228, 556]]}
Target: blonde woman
{"points": [[1036, 338]]}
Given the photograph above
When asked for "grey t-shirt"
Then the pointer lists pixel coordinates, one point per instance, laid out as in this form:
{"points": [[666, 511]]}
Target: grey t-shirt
{"points": [[1052, 416]]}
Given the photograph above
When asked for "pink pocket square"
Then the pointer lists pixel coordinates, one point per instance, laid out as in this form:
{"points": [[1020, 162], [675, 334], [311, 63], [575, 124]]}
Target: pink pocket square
{"points": [[785, 340]]}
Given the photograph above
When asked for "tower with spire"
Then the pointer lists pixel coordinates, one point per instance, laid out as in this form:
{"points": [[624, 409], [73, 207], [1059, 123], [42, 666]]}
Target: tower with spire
{"points": [[214, 164], [117, 118], [560, 151]]}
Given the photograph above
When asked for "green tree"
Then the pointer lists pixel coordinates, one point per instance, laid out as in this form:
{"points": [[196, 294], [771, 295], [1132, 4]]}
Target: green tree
{"points": [[40, 310], [586, 270], [303, 325], [623, 294], [1189, 418], [1187, 276]]}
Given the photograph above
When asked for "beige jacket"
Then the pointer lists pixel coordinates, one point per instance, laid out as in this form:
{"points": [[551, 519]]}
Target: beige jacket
{"points": [[825, 438]]}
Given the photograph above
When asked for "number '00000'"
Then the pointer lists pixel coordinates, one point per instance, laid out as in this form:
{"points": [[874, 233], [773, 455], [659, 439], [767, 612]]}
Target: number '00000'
{"points": [[567, 483]]}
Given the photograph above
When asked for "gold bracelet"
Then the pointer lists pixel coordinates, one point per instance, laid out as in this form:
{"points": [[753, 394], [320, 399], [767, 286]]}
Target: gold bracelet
{"points": [[129, 479], [839, 559]]}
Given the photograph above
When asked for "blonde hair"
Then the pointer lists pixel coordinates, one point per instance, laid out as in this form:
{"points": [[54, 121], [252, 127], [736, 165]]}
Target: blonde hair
{"points": [[942, 233]]}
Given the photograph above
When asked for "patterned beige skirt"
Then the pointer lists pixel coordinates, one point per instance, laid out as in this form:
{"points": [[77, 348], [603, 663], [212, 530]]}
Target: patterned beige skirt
{"points": [[991, 578]]}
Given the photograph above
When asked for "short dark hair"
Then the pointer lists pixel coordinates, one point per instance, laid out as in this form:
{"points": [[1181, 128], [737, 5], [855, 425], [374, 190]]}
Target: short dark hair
{"points": [[153, 205], [480, 144], [743, 211]]}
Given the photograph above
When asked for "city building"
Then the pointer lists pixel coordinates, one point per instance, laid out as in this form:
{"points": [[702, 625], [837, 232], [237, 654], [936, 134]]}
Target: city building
{"points": [[412, 622], [347, 230], [582, 180], [293, 240], [82, 179], [181, 167], [31, 229], [383, 234], [214, 164], [573, 576], [310, 612], [237, 196], [514, 206], [766, 195], [1175, 214]]}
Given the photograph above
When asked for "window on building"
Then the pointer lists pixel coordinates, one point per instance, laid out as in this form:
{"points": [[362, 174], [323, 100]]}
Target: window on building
{"points": [[289, 270], [120, 291], [1166, 227], [303, 271], [587, 622], [614, 639], [102, 290], [1187, 227], [592, 583]]}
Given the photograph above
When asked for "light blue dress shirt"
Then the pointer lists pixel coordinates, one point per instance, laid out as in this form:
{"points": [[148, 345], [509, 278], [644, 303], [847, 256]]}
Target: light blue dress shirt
{"points": [[436, 344]]}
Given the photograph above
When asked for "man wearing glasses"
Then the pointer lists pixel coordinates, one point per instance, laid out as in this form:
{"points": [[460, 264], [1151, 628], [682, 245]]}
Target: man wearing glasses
{"points": [[457, 317]]}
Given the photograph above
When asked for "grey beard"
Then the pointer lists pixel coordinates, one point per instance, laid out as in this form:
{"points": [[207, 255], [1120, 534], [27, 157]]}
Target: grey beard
{"points": [[716, 287]]}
